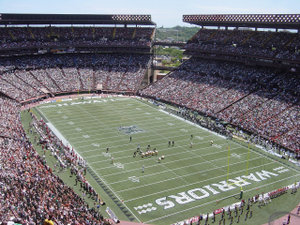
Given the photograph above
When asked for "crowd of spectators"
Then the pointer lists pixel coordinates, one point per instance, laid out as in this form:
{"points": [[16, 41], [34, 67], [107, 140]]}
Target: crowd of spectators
{"points": [[12, 83], [45, 79], [29, 192], [9, 118], [259, 100], [31, 77], [37, 37], [66, 157], [87, 77], [268, 44], [201, 83]]}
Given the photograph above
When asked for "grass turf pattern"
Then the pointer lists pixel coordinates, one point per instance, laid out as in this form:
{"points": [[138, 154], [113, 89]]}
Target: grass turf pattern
{"points": [[189, 181]]}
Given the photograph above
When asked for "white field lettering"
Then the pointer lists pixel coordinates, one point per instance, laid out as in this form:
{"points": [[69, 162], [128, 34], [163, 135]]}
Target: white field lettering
{"points": [[199, 193]]}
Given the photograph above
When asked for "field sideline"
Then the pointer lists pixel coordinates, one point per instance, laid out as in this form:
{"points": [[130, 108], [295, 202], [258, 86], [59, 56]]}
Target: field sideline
{"points": [[189, 181]]}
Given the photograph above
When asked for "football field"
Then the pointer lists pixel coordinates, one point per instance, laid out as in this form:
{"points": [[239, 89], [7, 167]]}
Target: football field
{"points": [[194, 177]]}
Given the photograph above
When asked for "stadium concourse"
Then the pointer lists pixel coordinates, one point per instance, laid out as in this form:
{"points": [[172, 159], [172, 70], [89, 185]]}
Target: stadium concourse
{"points": [[263, 101]]}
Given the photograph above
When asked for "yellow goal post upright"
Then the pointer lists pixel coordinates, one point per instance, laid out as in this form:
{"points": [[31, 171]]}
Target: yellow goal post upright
{"points": [[246, 171], [248, 157], [228, 160]]}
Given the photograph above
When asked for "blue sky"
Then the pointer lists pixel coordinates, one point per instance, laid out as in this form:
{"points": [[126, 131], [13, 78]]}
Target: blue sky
{"points": [[167, 13]]}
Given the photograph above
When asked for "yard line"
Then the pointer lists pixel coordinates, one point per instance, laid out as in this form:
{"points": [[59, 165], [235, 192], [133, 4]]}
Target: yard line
{"points": [[114, 192], [150, 124], [135, 146], [158, 182], [214, 201], [193, 124], [267, 157], [112, 124], [78, 106], [108, 186], [144, 104], [160, 149], [111, 112], [96, 135], [219, 135], [146, 136], [177, 176], [178, 168], [132, 113], [178, 118], [201, 156], [183, 186], [111, 138], [113, 174], [158, 128], [146, 117], [129, 163]]}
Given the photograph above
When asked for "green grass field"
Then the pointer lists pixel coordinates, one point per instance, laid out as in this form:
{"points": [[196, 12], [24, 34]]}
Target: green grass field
{"points": [[189, 181]]}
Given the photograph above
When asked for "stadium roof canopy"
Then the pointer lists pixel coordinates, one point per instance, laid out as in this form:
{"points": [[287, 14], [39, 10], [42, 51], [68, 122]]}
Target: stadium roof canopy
{"points": [[279, 21], [26, 19]]}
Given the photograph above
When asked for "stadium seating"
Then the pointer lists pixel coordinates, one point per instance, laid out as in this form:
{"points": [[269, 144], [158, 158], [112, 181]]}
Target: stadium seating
{"points": [[36, 37], [24, 175], [34, 77], [10, 125], [262, 101], [30, 192], [279, 45], [258, 100]]}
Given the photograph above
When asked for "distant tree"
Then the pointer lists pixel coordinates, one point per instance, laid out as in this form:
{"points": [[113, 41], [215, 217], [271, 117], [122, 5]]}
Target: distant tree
{"points": [[176, 33]]}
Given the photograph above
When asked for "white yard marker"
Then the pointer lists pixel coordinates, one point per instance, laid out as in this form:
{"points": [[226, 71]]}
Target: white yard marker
{"points": [[134, 179], [119, 165], [217, 146], [236, 155], [107, 155]]}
